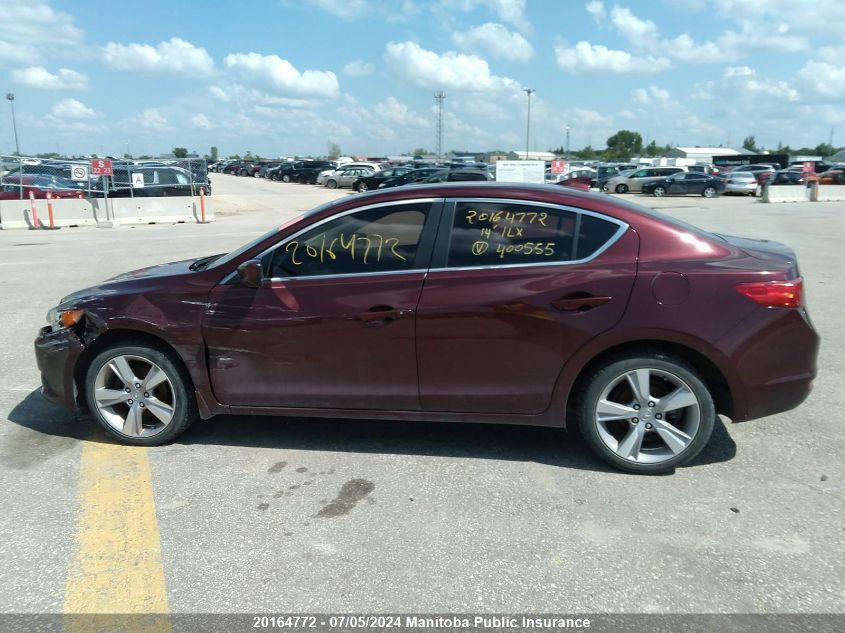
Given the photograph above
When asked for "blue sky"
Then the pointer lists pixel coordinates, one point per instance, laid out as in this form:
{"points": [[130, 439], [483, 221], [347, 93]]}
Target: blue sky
{"points": [[287, 77]]}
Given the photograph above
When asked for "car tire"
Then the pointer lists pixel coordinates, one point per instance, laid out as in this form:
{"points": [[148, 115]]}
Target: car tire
{"points": [[659, 192], [173, 396], [633, 443], [621, 188], [331, 184], [362, 187], [286, 178], [709, 192]]}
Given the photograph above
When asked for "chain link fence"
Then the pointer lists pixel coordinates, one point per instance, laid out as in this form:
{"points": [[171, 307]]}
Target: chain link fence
{"points": [[72, 178]]}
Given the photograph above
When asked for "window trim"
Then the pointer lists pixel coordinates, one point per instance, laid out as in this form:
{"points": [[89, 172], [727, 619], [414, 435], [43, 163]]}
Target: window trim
{"points": [[440, 253], [427, 240]]}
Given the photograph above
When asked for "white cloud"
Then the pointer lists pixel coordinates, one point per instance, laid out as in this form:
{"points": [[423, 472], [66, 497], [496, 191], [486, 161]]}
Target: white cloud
{"points": [[641, 33], [358, 68], [449, 71], [175, 56], [152, 119], [825, 74], [72, 109], [511, 12], [653, 94], [495, 40], [29, 29], [585, 57], [41, 78], [745, 79], [346, 9], [201, 121], [596, 9], [394, 111], [281, 75]]}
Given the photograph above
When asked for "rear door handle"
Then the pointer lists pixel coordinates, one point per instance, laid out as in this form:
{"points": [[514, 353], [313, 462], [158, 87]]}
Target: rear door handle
{"points": [[382, 314], [579, 304]]}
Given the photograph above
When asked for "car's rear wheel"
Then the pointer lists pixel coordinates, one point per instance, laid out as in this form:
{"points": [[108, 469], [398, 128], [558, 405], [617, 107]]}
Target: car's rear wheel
{"points": [[140, 394], [659, 192], [362, 187], [646, 414], [331, 184], [621, 188], [286, 178], [709, 192]]}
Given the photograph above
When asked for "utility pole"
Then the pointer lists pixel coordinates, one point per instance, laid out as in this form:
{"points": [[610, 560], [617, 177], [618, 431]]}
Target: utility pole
{"points": [[529, 92], [567, 142], [439, 96], [11, 98]]}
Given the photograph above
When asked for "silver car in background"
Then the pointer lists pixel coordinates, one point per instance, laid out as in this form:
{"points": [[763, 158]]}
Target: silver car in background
{"points": [[634, 181], [741, 182]]}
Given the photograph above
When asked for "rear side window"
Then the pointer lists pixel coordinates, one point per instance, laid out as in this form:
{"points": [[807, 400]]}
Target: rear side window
{"points": [[593, 233], [493, 234]]}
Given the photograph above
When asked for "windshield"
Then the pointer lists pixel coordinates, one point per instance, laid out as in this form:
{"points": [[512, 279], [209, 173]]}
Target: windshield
{"points": [[250, 245]]}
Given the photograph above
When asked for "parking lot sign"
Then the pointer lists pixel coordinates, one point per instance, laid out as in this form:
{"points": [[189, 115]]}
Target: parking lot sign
{"points": [[79, 172], [138, 180], [101, 167], [558, 166]]}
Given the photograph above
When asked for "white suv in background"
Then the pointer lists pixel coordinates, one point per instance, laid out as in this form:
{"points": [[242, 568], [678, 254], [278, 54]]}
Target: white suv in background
{"points": [[323, 176]]}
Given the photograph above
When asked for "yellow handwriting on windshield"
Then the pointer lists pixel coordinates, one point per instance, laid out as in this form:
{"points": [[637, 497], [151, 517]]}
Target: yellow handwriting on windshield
{"points": [[367, 249]]}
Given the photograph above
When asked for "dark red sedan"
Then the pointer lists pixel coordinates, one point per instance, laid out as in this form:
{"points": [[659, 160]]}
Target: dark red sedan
{"points": [[475, 302]]}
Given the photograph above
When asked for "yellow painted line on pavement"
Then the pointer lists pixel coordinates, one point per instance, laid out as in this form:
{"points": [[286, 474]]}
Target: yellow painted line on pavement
{"points": [[118, 567]]}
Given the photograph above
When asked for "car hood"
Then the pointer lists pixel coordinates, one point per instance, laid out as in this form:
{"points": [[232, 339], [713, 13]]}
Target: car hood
{"points": [[131, 281]]}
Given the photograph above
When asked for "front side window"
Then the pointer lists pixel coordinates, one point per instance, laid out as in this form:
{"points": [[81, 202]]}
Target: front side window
{"points": [[491, 234], [381, 239], [639, 174]]}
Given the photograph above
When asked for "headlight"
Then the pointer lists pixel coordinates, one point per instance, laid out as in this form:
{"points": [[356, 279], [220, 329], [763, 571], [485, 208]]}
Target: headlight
{"points": [[60, 319]]}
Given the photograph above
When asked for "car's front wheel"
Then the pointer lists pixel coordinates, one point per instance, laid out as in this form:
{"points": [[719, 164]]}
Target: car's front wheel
{"points": [[331, 184], [647, 413], [659, 191], [621, 188], [709, 192], [140, 394], [286, 178], [362, 187]]}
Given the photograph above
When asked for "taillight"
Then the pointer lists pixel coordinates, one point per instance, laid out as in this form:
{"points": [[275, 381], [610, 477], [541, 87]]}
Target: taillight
{"points": [[775, 294]]}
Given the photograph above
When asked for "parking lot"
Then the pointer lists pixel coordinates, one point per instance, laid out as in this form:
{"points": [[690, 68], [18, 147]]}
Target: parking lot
{"points": [[249, 514]]}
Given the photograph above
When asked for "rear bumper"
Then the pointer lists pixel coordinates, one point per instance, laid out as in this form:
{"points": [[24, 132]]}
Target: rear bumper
{"points": [[776, 363], [56, 354]]}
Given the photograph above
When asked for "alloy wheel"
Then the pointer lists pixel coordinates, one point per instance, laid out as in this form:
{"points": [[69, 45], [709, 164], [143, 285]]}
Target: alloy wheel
{"points": [[363, 188], [659, 192], [134, 396], [647, 415], [709, 192]]}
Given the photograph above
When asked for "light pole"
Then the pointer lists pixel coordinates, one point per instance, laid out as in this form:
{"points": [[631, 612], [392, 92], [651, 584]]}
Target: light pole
{"points": [[11, 99], [529, 92]]}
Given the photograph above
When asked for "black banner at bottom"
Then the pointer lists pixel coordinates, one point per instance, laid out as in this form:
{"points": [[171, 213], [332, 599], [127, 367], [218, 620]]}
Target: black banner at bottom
{"points": [[422, 623]]}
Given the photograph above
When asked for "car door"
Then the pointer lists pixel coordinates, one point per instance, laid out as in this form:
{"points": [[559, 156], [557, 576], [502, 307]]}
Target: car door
{"points": [[333, 327], [514, 290]]}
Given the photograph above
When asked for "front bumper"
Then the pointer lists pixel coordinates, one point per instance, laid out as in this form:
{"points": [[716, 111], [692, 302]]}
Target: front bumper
{"points": [[56, 354]]}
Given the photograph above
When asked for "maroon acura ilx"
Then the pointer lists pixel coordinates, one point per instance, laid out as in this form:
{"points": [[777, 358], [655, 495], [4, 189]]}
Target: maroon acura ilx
{"points": [[493, 303]]}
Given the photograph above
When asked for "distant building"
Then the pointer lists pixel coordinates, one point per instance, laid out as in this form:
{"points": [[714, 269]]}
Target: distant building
{"points": [[534, 155], [704, 154]]}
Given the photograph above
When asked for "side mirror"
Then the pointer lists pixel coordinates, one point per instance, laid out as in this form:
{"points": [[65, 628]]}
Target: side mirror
{"points": [[250, 273]]}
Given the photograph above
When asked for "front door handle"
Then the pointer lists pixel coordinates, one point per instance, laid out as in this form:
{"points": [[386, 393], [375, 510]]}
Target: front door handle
{"points": [[580, 303], [382, 314]]}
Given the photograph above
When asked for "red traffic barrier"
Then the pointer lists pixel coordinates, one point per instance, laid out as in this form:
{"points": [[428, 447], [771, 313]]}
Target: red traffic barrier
{"points": [[52, 226], [202, 206], [33, 211]]}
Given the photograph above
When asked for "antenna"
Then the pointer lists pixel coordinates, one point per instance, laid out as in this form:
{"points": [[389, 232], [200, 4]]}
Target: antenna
{"points": [[439, 96]]}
